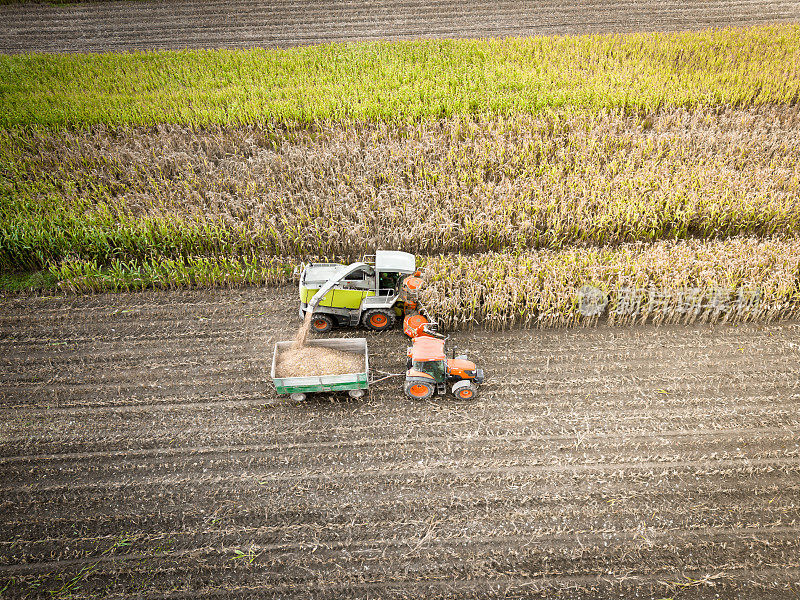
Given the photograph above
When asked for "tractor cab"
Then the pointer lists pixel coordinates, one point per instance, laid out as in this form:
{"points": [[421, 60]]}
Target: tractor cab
{"points": [[429, 371], [426, 358]]}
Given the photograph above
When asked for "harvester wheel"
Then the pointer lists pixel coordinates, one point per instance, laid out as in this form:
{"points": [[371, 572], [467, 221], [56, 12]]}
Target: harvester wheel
{"points": [[321, 323], [464, 390], [419, 390], [355, 393], [378, 320], [298, 397]]}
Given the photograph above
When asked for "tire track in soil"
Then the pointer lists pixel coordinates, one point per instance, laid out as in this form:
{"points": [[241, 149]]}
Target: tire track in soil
{"points": [[608, 509], [122, 26], [271, 467], [199, 538], [210, 427], [573, 441], [540, 514], [216, 429], [217, 581], [374, 443], [752, 583], [262, 477], [542, 539]]}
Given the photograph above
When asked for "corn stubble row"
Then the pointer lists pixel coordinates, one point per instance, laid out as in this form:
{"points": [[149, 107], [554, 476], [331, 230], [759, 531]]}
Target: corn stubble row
{"points": [[461, 185]]}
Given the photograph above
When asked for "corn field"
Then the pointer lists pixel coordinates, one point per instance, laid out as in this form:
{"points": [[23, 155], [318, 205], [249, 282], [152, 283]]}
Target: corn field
{"points": [[406, 81], [528, 191], [516, 213], [739, 279], [461, 185]]}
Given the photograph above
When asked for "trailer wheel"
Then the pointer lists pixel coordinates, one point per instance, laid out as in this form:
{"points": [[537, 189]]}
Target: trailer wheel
{"points": [[321, 323], [355, 393], [419, 390], [298, 397], [378, 320], [464, 390]]}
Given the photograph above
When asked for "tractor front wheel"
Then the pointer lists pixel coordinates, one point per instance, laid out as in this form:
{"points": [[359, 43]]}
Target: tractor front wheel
{"points": [[464, 390], [321, 323], [378, 320], [419, 390]]}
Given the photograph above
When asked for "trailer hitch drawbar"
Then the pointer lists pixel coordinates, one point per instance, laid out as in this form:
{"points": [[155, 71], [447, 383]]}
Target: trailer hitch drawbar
{"points": [[385, 376]]}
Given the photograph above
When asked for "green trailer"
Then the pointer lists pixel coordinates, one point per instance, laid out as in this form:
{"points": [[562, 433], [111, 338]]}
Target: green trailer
{"points": [[354, 384]]}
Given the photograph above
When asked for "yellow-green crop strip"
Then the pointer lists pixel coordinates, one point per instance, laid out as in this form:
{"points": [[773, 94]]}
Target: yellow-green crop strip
{"points": [[405, 80], [524, 169]]}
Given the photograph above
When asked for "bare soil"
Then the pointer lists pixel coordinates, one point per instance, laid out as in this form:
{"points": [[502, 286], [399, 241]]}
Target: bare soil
{"points": [[124, 25], [144, 454]]}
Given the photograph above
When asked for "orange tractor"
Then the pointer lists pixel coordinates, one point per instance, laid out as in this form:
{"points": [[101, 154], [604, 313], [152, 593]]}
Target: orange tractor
{"points": [[429, 371]]}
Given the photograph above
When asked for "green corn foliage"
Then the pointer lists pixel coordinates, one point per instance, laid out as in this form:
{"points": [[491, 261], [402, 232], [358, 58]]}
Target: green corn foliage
{"points": [[78, 276], [403, 81]]}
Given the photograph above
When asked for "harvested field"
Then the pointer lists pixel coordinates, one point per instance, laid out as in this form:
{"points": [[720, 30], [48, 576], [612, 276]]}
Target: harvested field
{"points": [[143, 454], [120, 26]]}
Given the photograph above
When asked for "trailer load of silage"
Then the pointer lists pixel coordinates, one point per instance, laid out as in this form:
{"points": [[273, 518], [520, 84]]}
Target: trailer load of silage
{"points": [[302, 360], [311, 361]]}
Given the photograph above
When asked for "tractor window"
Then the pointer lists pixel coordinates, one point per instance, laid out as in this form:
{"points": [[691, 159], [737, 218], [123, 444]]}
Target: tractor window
{"points": [[434, 368]]}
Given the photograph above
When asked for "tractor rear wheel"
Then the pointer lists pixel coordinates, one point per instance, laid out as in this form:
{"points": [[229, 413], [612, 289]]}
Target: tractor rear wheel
{"points": [[464, 390], [321, 323], [378, 320], [419, 390]]}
